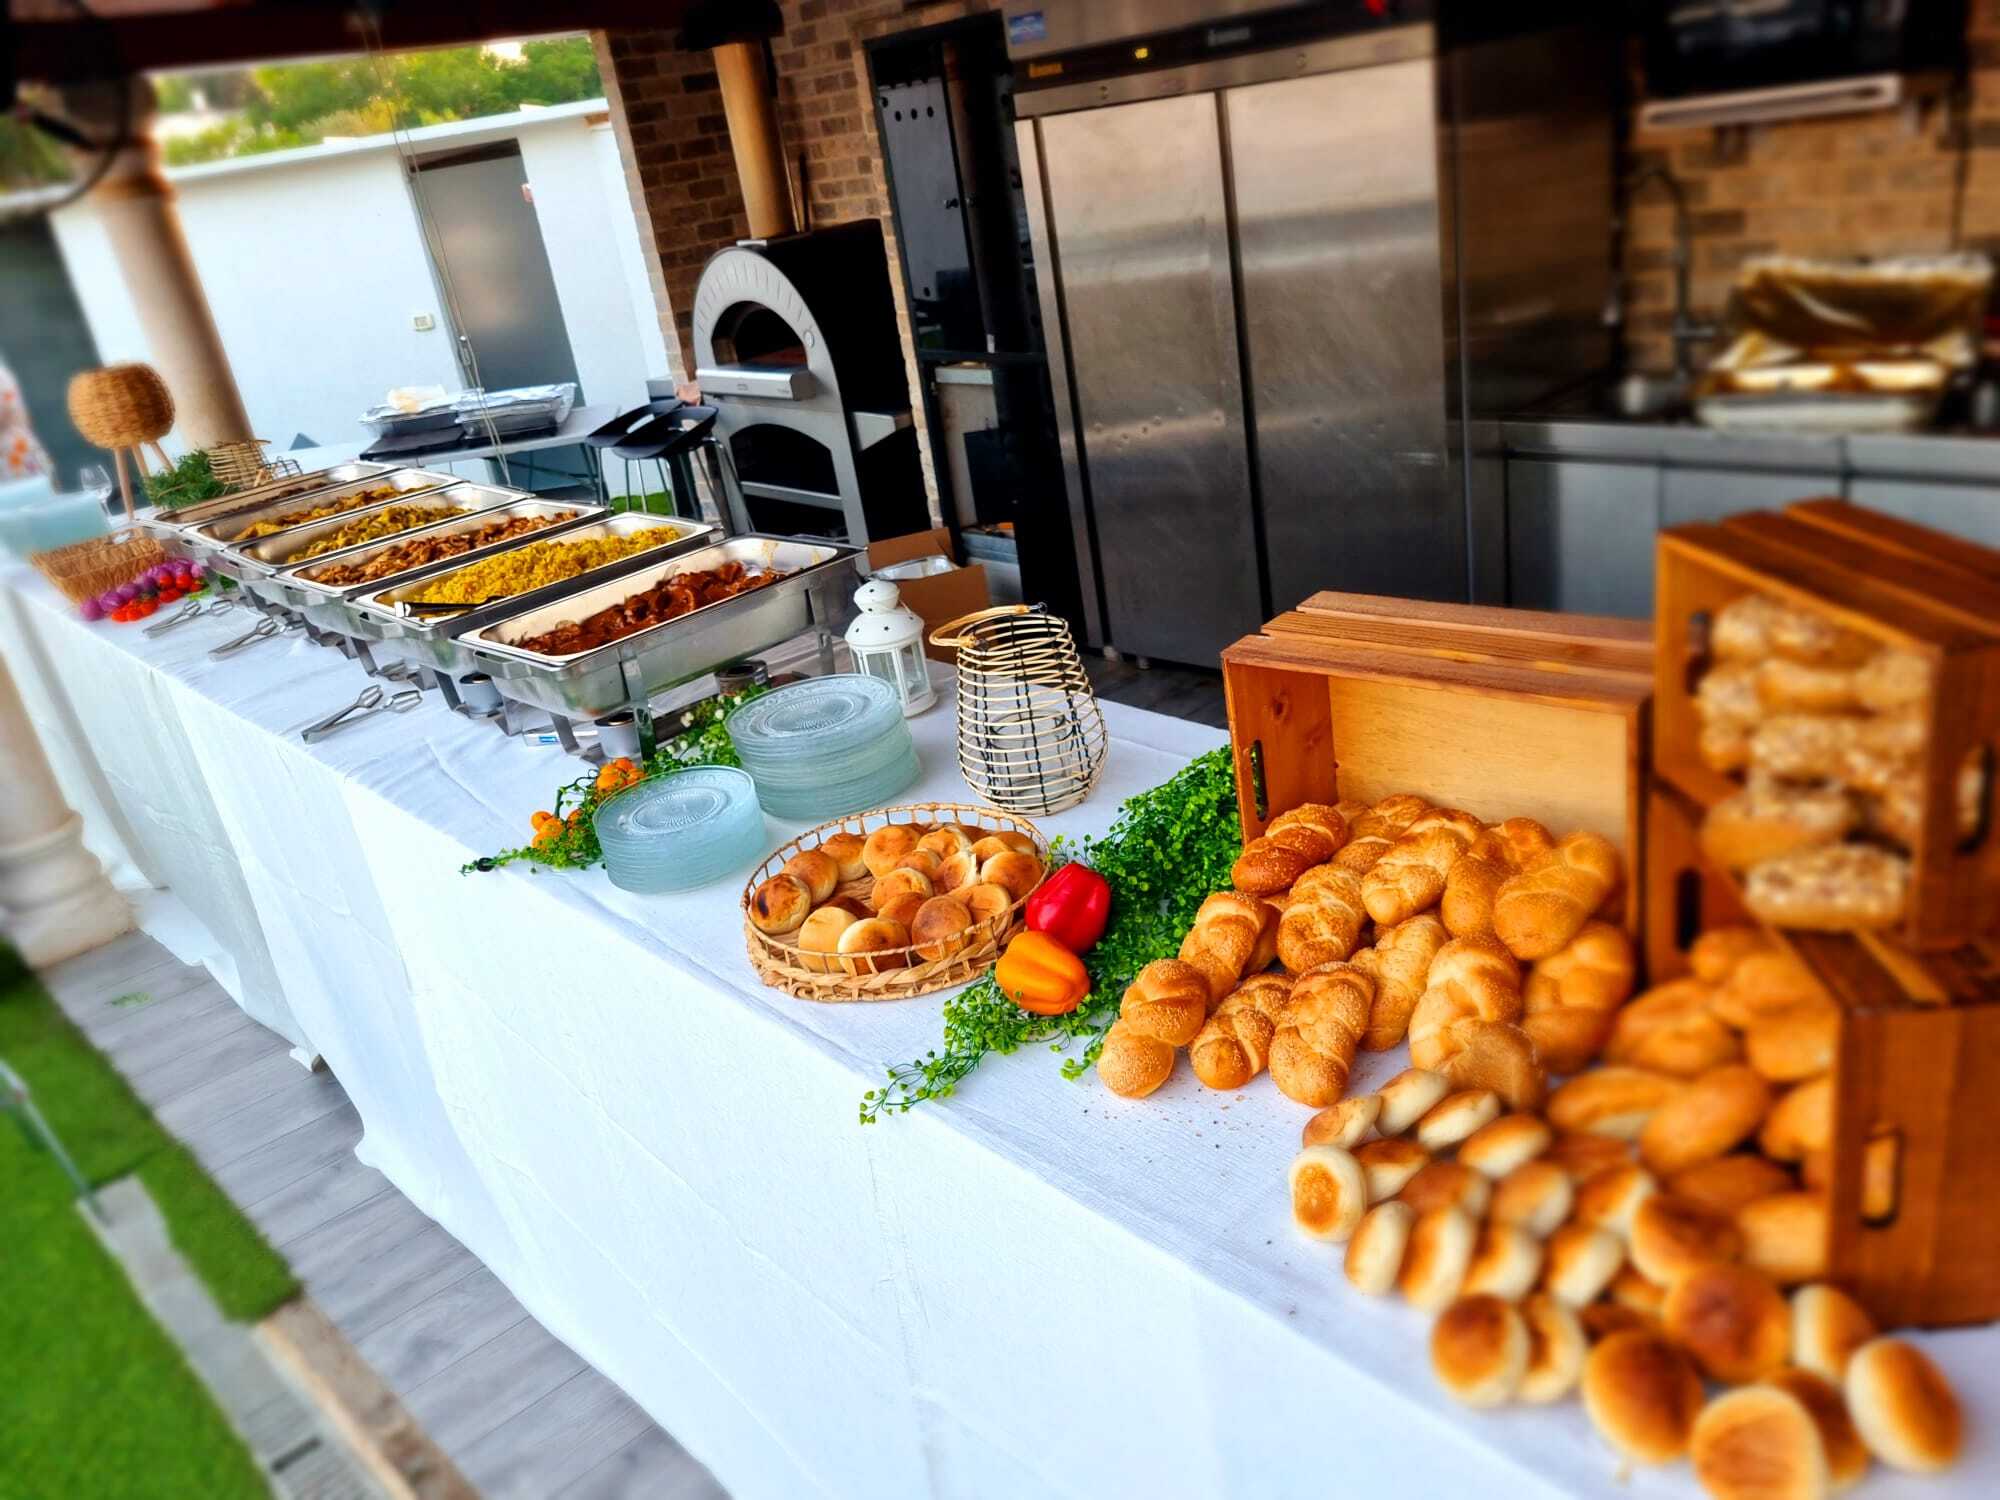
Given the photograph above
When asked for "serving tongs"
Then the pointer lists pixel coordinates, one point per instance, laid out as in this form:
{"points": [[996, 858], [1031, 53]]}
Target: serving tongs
{"points": [[263, 630], [193, 609], [372, 701], [436, 607]]}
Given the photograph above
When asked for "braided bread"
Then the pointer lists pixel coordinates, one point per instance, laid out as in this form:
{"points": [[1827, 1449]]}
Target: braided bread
{"points": [[1131, 1063], [1400, 964], [1310, 834], [1322, 921], [1312, 1051], [1375, 830], [1571, 998], [1236, 1043], [1472, 981], [1499, 852], [1410, 877], [1542, 908], [1232, 935], [1168, 1001]]}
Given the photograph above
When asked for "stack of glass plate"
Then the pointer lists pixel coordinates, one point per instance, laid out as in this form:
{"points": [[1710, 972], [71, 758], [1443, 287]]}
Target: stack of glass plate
{"points": [[825, 746], [680, 831]]}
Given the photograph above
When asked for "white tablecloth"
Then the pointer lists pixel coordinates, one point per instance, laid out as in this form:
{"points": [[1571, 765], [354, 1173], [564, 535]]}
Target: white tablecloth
{"points": [[1033, 1289]]}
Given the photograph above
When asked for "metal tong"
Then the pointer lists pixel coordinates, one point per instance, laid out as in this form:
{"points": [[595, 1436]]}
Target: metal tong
{"points": [[263, 630], [188, 611], [372, 701]]}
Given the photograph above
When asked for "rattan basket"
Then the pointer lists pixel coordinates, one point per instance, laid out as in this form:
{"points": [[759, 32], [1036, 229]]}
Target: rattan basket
{"points": [[1030, 734], [85, 569], [895, 973], [242, 465], [121, 406]]}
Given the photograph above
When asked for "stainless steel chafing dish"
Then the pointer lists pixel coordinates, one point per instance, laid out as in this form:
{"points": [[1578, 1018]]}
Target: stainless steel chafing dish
{"points": [[626, 673], [169, 524], [381, 612], [216, 541]]}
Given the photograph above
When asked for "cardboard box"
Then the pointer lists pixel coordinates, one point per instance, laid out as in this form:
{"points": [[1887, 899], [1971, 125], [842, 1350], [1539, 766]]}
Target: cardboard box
{"points": [[940, 597]]}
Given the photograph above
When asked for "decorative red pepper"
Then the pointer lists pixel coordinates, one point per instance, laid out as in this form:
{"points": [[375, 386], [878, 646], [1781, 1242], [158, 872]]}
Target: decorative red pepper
{"points": [[1072, 907]]}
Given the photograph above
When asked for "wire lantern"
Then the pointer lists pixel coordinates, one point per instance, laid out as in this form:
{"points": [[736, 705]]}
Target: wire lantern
{"points": [[1031, 737]]}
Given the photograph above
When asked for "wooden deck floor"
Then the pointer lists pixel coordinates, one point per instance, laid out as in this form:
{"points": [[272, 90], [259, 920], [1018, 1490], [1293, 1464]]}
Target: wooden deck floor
{"points": [[1180, 692], [521, 1416]]}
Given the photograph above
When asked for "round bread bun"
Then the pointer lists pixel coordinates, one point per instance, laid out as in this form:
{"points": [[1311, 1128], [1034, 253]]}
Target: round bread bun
{"points": [[1004, 842], [1800, 1122], [819, 870], [1535, 1196], [1506, 1262], [1643, 1395], [1795, 1045], [1408, 1097], [1479, 1350], [1375, 1254], [941, 928], [878, 936], [1501, 1145], [921, 859], [1715, 954], [1602, 1319], [845, 850], [1827, 1327], [1714, 1114], [1583, 1156], [1499, 1056], [985, 902], [852, 904], [1846, 1455], [897, 882], [1903, 1407], [1578, 1263], [1732, 1320], [1455, 1117], [780, 904], [945, 840], [886, 845], [1014, 872], [1765, 984], [1434, 1262], [1345, 1124], [820, 933], [1556, 1349], [902, 907], [1759, 1443], [1610, 1199], [957, 871], [1329, 1193], [1629, 1289], [1448, 1184], [1785, 1236], [1728, 1182], [1671, 1236], [1389, 1165], [1611, 1101]]}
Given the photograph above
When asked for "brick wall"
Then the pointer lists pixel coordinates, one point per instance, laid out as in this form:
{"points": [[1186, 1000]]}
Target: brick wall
{"points": [[1854, 185]]}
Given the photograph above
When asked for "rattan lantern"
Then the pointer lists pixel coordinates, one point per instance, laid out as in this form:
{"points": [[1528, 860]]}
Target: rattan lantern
{"points": [[120, 407], [1031, 737]]}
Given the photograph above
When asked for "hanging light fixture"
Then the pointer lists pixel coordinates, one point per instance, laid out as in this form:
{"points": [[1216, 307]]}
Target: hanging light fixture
{"points": [[887, 639]]}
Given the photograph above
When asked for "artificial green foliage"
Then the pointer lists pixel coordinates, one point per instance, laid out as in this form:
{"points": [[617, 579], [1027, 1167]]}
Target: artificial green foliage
{"points": [[1168, 850], [188, 482]]}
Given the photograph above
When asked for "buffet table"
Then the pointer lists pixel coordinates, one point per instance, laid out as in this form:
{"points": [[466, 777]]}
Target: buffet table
{"points": [[1032, 1288]]}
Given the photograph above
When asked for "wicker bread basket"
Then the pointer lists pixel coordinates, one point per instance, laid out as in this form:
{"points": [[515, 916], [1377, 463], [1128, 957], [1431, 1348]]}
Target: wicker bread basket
{"points": [[85, 569], [896, 973]]}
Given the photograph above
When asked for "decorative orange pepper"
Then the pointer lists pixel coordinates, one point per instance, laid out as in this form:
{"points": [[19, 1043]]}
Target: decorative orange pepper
{"points": [[617, 775], [1042, 976]]}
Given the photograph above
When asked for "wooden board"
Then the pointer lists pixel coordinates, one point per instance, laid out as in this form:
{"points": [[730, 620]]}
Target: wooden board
{"points": [[1936, 549], [1534, 637]]}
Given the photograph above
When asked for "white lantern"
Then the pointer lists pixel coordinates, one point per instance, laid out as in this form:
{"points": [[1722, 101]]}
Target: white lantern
{"points": [[887, 639]]}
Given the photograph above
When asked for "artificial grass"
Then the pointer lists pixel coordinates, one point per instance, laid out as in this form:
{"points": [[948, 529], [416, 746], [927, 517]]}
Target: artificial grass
{"points": [[111, 1134]]}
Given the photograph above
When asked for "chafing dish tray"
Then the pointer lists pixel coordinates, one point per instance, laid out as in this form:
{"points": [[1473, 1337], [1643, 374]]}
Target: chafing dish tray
{"points": [[381, 611], [629, 671], [171, 523], [222, 537]]}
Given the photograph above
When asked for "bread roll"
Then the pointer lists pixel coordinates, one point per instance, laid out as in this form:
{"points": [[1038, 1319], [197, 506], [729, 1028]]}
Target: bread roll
{"points": [[1741, 629], [1409, 877], [958, 872], [1846, 1457], [820, 933], [901, 908], [1322, 922], [1796, 1045], [1893, 679], [1671, 1236], [1536, 1196], [1903, 1407], [886, 845], [1500, 1146], [1014, 872], [873, 945], [780, 905], [1615, 1102], [1267, 866], [1785, 1236], [1329, 1193], [1479, 1350], [1732, 1320], [1408, 1097], [1400, 963], [1670, 1029], [1795, 687], [921, 859], [1583, 1156], [1455, 1117], [1466, 906], [1132, 1064], [1642, 1395], [1800, 1121], [1763, 985], [1471, 979], [1448, 1184], [1313, 1049], [985, 902], [1758, 1444], [1839, 888], [1506, 1262], [1629, 1289], [1346, 1124], [1235, 1044], [1539, 910], [1374, 831], [1325, 818], [1610, 1200], [1726, 1183], [900, 881], [1499, 1059], [1727, 696], [853, 905], [1578, 1263], [1389, 1165], [846, 850], [819, 871], [946, 840], [1802, 747], [1005, 841], [1827, 1327], [1225, 939], [1769, 819], [1375, 1254], [1571, 998], [1556, 1350], [1602, 1319], [1714, 955], [1435, 1261], [1724, 747], [942, 928], [1714, 1114], [1168, 1001]]}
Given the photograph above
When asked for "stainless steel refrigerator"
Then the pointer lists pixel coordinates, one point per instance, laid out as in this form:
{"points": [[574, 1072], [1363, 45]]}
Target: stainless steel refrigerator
{"points": [[1269, 334]]}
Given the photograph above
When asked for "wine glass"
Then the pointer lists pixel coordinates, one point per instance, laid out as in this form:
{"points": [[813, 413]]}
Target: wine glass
{"points": [[96, 480]]}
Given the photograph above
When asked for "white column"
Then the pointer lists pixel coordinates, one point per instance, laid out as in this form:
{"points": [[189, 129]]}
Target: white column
{"points": [[54, 899]]}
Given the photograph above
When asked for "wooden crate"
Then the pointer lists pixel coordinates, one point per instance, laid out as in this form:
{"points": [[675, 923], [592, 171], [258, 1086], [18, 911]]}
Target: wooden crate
{"points": [[1955, 881], [1934, 549], [1918, 1076], [1505, 713]]}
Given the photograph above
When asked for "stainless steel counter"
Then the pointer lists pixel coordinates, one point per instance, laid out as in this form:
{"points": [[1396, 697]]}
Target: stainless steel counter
{"points": [[1959, 458]]}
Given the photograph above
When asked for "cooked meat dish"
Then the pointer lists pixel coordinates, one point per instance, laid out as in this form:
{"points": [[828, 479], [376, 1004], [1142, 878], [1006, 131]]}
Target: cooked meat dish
{"points": [[420, 552], [666, 600]]}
